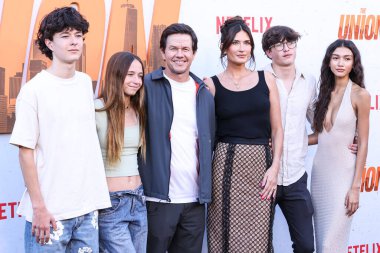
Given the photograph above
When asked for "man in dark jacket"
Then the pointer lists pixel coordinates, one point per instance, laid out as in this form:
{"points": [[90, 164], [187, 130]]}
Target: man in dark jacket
{"points": [[176, 172]]}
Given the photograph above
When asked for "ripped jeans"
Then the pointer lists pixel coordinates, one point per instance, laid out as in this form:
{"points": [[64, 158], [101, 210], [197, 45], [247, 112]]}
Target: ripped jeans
{"points": [[79, 235]]}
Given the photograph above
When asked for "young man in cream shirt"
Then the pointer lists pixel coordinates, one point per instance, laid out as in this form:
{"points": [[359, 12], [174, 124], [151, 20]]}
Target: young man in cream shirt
{"points": [[298, 93], [59, 150]]}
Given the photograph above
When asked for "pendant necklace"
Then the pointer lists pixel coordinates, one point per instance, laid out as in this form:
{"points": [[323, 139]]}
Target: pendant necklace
{"points": [[235, 83]]}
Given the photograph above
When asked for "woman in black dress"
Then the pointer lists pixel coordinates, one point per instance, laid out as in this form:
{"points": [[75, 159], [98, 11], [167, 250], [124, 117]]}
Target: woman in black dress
{"points": [[240, 218]]}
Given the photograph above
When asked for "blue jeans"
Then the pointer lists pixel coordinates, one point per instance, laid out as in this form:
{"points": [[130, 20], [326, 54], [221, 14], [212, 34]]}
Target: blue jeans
{"points": [[79, 234], [124, 227]]}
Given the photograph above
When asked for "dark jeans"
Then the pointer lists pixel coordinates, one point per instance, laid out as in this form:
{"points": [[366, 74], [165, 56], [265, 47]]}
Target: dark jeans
{"points": [[176, 228], [295, 203]]}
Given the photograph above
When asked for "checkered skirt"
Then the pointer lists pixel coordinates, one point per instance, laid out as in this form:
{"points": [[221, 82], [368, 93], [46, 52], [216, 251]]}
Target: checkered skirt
{"points": [[238, 220]]}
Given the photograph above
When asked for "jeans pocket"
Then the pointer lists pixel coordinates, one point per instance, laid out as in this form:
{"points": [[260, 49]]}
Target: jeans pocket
{"points": [[141, 206], [115, 203]]}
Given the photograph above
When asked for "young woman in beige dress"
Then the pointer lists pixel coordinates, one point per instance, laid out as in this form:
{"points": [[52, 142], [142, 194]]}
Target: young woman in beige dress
{"points": [[342, 110]]}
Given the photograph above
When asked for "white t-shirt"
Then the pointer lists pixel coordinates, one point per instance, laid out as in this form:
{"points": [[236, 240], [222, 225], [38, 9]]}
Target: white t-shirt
{"points": [[184, 168], [56, 118]]}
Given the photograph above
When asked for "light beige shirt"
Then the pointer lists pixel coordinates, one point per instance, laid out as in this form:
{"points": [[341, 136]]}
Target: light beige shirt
{"points": [[296, 107], [127, 165], [56, 118]]}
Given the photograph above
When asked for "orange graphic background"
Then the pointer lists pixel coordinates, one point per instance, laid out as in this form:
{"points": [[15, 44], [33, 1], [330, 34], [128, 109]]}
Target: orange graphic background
{"points": [[14, 37], [14, 31], [359, 27], [125, 13], [93, 39], [370, 179]]}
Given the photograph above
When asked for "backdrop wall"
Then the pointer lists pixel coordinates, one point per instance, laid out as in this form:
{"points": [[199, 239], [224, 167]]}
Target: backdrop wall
{"points": [[136, 26]]}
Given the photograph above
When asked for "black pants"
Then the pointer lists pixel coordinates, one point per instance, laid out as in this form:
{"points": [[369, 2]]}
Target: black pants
{"points": [[295, 203], [176, 228]]}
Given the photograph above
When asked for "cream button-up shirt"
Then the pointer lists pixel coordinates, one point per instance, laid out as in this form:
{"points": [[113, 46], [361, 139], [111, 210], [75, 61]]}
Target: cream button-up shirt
{"points": [[296, 107]]}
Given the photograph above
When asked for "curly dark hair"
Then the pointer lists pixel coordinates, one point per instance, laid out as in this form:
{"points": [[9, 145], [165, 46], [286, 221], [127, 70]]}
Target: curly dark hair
{"points": [[57, 21], [327, 80], [228, 31]]}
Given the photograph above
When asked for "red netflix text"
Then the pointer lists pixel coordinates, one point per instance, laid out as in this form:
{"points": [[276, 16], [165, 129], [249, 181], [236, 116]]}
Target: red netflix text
{"points": [[365, 248], [8, 210], [255, 24], [375, 102]]}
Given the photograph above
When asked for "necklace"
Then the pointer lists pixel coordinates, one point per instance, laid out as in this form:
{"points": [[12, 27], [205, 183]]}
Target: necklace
{"points": [[235, 83], [127, 99]]}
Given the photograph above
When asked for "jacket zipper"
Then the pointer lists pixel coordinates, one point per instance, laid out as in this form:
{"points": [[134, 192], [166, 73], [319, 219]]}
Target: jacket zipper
{"points": [[170, 147], [199, 143]]}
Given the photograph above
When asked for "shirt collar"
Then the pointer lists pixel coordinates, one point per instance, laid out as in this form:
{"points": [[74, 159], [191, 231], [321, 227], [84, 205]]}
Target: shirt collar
{"points": [[269, 68]]}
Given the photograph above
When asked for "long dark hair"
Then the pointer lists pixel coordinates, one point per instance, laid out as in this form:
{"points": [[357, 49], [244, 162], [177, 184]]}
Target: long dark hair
{"points": [[113, 96], [228, 32], [327, 80]]}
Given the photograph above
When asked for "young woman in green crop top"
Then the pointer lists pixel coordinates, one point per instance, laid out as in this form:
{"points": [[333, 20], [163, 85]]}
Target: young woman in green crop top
{"points": [[120, 123]]}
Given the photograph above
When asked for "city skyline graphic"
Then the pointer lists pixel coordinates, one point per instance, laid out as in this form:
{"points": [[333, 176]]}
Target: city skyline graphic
{"points": [[37, 63], [125, 33], [127, 22]]}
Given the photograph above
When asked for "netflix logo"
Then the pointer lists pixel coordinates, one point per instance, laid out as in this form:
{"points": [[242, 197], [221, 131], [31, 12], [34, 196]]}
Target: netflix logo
{"points": [[8, 210]]}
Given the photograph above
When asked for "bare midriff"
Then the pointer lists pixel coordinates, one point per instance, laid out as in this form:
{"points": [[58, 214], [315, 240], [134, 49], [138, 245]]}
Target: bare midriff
{"points": [[123, 183]]}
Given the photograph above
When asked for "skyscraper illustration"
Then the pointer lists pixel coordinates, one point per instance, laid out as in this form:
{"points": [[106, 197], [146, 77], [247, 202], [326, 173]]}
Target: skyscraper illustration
{"points": [[37, 54], [3, 114], [154, 54], [11, 118], [130, 34], [15, 85], [11, 79], [2, 81], [3, 103], [35, 67]]}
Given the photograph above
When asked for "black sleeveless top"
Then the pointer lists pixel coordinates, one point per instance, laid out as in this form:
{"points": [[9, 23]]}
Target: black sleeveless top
{"points": [[243, 116]]}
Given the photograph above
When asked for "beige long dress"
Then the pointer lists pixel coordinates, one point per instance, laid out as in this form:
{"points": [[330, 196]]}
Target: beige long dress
{"points": [[331, 178]]}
